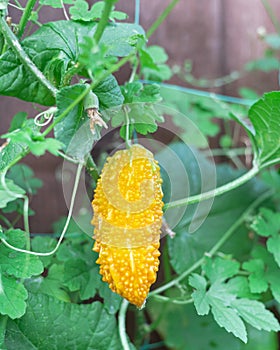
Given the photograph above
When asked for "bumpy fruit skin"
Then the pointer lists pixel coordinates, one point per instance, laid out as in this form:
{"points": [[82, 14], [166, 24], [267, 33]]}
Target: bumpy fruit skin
{"points": [[127, 217]]}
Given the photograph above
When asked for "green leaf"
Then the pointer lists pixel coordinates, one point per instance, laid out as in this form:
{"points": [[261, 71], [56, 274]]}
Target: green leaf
{"points": [[219, 269], [51, 285], [43, 245], [15, 263], [75, 126], [34, 140], [23, 176], [54, 57], [239, 286], [94, 57], [9, 153], [12, 297], [254, 312], [271, 269], [141, 112], [112, 301], [78, 276], [257, 280], [67, 128], [153, 65], [80, 11], [273, 246], [9, 193], [52, 324], [267, 223], [109, 94], [18, 121], [265, 117], [228, 319], [273, 40], [221, 293], [199, 295]]}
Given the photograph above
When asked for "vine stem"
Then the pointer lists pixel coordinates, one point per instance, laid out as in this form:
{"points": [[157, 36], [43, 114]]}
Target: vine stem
{"points": [[271, 14], [25, 16], [216, 192], [122, 331], [26, 221], [12, 40], [103, 20], [72, 202], [217, 246], [161, 17]]}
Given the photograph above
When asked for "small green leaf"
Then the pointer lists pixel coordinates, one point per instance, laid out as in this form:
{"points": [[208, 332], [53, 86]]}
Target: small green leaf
{"points": [[94, 57], [228, 319], [9, 192], [23, 176], [78, 276], [34, 140], [265, 117], [52, 285], [80, 11], [66, 129], [267, 223], [16, 263], [254, 312], [12, 297], [43, 245], [219, 269], [273, 246], [18, 121], [257, 280], [112, 301], [239, 286], [109, 94], [199, 295], [220, 292], [153, 65], [10, 152]]}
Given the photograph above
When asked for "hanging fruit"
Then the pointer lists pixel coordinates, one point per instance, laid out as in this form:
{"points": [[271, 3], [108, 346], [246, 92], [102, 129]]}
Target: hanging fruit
{"points": [[127, 217]]}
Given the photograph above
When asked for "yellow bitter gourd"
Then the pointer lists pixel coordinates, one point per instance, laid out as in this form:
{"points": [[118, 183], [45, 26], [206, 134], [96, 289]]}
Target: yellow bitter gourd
{"points": [[127, 218]]}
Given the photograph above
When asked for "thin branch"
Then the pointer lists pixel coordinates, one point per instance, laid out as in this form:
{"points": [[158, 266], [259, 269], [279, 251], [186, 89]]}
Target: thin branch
{"points": [[161, 17], [25, 16], [122, 330], [103, 20], [173, 301], [216, 192]]}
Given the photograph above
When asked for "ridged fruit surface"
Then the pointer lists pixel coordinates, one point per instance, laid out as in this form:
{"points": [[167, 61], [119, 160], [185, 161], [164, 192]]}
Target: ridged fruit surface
{"points": [[127, 217]]}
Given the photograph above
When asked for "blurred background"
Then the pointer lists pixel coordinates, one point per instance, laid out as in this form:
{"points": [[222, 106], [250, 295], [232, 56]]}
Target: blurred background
{"points": [[209, 44]]}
